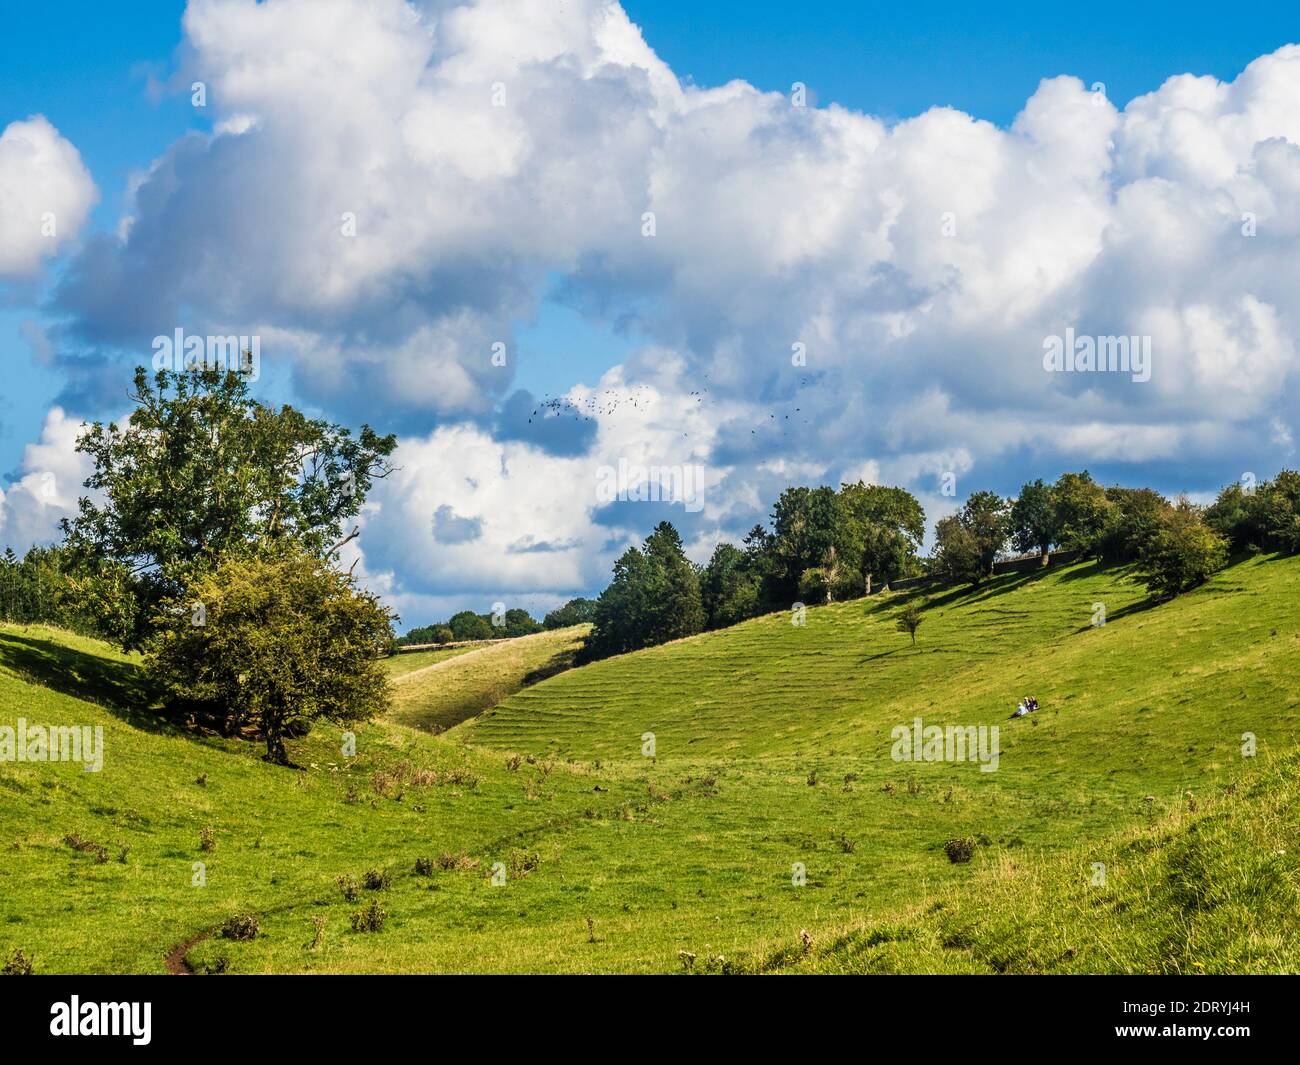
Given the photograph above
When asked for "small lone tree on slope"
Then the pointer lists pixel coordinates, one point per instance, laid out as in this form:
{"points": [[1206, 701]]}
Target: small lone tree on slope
{"points": [[910, 620]]}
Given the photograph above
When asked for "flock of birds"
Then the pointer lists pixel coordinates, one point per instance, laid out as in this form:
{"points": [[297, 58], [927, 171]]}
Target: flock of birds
{"points": [[610, 401]]}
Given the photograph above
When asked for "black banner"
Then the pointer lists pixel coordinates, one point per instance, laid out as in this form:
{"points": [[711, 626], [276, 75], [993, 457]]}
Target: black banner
{"points": [[151, 1014]]}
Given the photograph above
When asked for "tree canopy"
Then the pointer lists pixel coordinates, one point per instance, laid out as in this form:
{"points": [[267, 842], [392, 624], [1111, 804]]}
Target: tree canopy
{"points": [[201, 472]]}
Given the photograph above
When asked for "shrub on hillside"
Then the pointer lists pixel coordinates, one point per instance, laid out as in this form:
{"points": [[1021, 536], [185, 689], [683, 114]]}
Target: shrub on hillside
{"points": [[268, 642], [960, 850], [1182, 553], [371, 919], [19, 964], [239, 927], [1133, 519]]}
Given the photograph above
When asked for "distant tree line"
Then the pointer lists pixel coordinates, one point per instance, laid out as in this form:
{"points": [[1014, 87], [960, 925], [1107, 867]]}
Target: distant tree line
{"points": [[825, 545], [48, 586], [470, 626]]}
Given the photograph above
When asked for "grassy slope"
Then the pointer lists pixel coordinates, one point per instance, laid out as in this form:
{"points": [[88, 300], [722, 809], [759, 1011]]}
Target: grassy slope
{"points": [[437, 699], [400, 665], [693, 851], [1211, 887]]}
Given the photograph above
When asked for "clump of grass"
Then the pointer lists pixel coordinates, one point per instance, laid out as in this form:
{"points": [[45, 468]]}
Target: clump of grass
{"points": [[424, 867], [812, 778], [19, 964], [371, 919], [447, 860], [318, 924], [240, 927], [521, 863], [847, 845], [461, 777], [377, 879], [512, 763], [208, 839], [349, 887], [202, 780], [122, 851], [87, 846]]}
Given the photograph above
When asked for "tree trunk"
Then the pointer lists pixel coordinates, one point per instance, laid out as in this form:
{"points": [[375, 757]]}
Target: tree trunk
{"points": [[275, 751]]}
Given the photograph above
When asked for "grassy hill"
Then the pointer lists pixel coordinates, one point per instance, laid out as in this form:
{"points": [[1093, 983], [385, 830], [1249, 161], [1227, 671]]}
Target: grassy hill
{"points": [[773, 746], [434, 698], [402, 664]]}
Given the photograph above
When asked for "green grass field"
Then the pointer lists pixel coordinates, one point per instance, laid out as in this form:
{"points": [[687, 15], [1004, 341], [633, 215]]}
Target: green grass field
{"points": [[772, 749]]}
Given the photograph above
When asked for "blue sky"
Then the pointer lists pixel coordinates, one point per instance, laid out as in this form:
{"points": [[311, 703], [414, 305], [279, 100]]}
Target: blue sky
{"points": [[87, 66], [902, 392]]}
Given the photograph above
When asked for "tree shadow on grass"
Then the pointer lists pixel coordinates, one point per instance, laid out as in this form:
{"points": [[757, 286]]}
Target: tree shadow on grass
{"points": [[994, 586], [119, 687], [1139, 607], [557, 664]]}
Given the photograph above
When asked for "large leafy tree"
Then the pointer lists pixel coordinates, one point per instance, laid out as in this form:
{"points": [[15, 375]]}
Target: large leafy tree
{"points": [[808, 531], [1082, 511], [674, 606], [280, 642], [1134, 517], [985, 517], [617, 624], [1238, 515], [956, 554], [654, 597], [967, 543], [1277, 504], [467, 625], [1032, 521], [884, 530], [730, 587], [201, 472]]}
